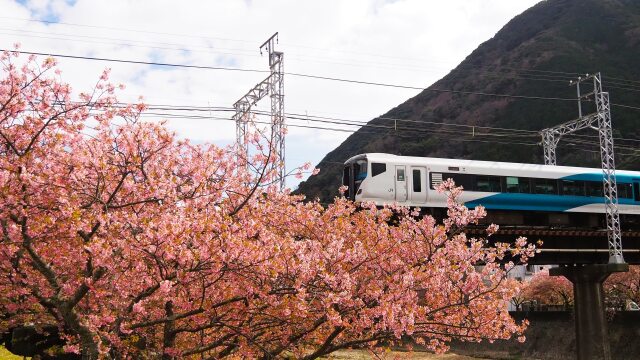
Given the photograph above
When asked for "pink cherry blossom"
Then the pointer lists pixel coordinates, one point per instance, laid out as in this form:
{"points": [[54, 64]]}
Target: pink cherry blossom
{"points": [[124, 235]]}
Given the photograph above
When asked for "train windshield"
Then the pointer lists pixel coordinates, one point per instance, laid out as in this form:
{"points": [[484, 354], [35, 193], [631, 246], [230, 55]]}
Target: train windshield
{"points": [[354, 173]]}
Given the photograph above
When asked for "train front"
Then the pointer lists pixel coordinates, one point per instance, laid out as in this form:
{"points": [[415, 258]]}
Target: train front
{"points": [[354, 172]]}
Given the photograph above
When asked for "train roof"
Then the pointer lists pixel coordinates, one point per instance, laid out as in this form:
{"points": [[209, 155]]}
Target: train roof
{"points": [[415, 160]]}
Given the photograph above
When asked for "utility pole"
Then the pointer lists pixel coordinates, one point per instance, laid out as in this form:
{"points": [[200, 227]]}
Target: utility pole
{"points": [[601, 122], [592, 337], [274, 86]]}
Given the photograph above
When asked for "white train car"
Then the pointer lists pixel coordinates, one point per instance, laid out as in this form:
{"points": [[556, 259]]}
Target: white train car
{"points": [[514, 192]]}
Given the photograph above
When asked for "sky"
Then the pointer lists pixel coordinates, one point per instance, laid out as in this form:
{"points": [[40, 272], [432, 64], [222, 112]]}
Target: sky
{"points": [[404, 42]]}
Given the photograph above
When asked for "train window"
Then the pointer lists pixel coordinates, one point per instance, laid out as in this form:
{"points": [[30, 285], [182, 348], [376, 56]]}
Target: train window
{"points": [[636, 191], [346, 177], [378, 168], [545, 186], [417, 181], [488, 183], [512, 184], [464, 180], [594, 189], [517, 185], [436, 180], [360, 170], [625, 191], [400, 174], [570, 187], [525, 185]]}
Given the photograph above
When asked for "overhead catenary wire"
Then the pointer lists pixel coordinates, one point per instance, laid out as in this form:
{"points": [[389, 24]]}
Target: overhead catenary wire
{"points": [[550, 73], [495, 131], [307, 76], [139, 44], [555, 73], [442, 127], [202, 67], [57, 23], [390, 130], [401, 132], [626, 106], [384, 130], [310, 117], [127, 30], [405, 87], [244, 52], [196, 117], [342, 80], [302, 75]]}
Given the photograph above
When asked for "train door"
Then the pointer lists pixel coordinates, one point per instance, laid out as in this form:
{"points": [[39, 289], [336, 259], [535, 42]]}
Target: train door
{"points": [[636, 190], [418, 184], [347, 180], [401, 183]]}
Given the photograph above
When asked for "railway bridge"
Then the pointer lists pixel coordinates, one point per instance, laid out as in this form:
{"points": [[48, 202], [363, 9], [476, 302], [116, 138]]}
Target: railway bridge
{"points": [[583, 256]]}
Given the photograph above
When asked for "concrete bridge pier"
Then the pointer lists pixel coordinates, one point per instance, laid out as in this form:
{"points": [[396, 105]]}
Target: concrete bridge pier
{"points": [[592, 336]]}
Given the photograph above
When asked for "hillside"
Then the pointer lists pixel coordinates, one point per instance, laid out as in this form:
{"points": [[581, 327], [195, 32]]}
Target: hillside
{"points": [[535, 54]]}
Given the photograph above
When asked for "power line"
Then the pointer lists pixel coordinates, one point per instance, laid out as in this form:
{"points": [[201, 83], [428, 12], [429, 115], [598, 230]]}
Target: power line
{"points": [[139, 62], [131, 43], [493, 131], [326, 119], [428, 89], [311, 76], [393, 131], [196, 117], [626, 106], [420, 60], [622, 79], [347, 80], [129, 30], [296, 74], [386, 130], [497, 131], [549, 73], [309, 117], [236, 40], [621, 88], [359, 125], [399, 133]]}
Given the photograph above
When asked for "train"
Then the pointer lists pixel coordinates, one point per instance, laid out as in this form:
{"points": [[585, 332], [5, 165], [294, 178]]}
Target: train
{"points": [[512, 193]]}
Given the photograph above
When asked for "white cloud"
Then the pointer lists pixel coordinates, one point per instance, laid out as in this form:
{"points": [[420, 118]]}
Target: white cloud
{"points": [[413, 42]]}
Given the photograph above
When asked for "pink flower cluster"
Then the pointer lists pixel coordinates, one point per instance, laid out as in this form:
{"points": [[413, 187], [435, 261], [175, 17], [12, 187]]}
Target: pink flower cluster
{"points": [[136, 244]]}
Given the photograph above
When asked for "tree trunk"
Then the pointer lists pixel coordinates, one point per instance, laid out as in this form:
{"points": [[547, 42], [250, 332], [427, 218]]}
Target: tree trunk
{"points": [[169, 336], [88, 344]]}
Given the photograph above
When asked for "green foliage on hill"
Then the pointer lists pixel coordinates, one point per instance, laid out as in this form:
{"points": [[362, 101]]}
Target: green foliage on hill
{"points": [[529, 56]]}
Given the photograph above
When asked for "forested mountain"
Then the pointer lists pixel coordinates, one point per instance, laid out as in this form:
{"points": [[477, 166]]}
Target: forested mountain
{"points": [[535, 54]]}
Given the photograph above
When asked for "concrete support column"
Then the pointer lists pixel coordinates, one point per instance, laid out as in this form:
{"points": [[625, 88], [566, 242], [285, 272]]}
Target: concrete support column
{"points": [[592, 336]]}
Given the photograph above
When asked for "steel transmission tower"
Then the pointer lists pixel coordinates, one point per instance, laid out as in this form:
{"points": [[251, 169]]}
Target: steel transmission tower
{"points": [[274, 86], [600, 121]]}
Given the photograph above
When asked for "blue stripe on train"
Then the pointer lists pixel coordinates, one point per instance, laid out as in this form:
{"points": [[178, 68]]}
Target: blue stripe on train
{"points": [[556, 203], [598, 177], [538, 202]]}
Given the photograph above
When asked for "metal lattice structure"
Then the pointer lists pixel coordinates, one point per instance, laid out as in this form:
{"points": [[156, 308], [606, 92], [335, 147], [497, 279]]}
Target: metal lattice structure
{"points": [[243, 109], [600, 121], [274, 86]]}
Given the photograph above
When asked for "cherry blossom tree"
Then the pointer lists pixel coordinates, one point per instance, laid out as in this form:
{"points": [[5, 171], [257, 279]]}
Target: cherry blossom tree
{"points": [[549, 290], [137, 244], [622, 287]]}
